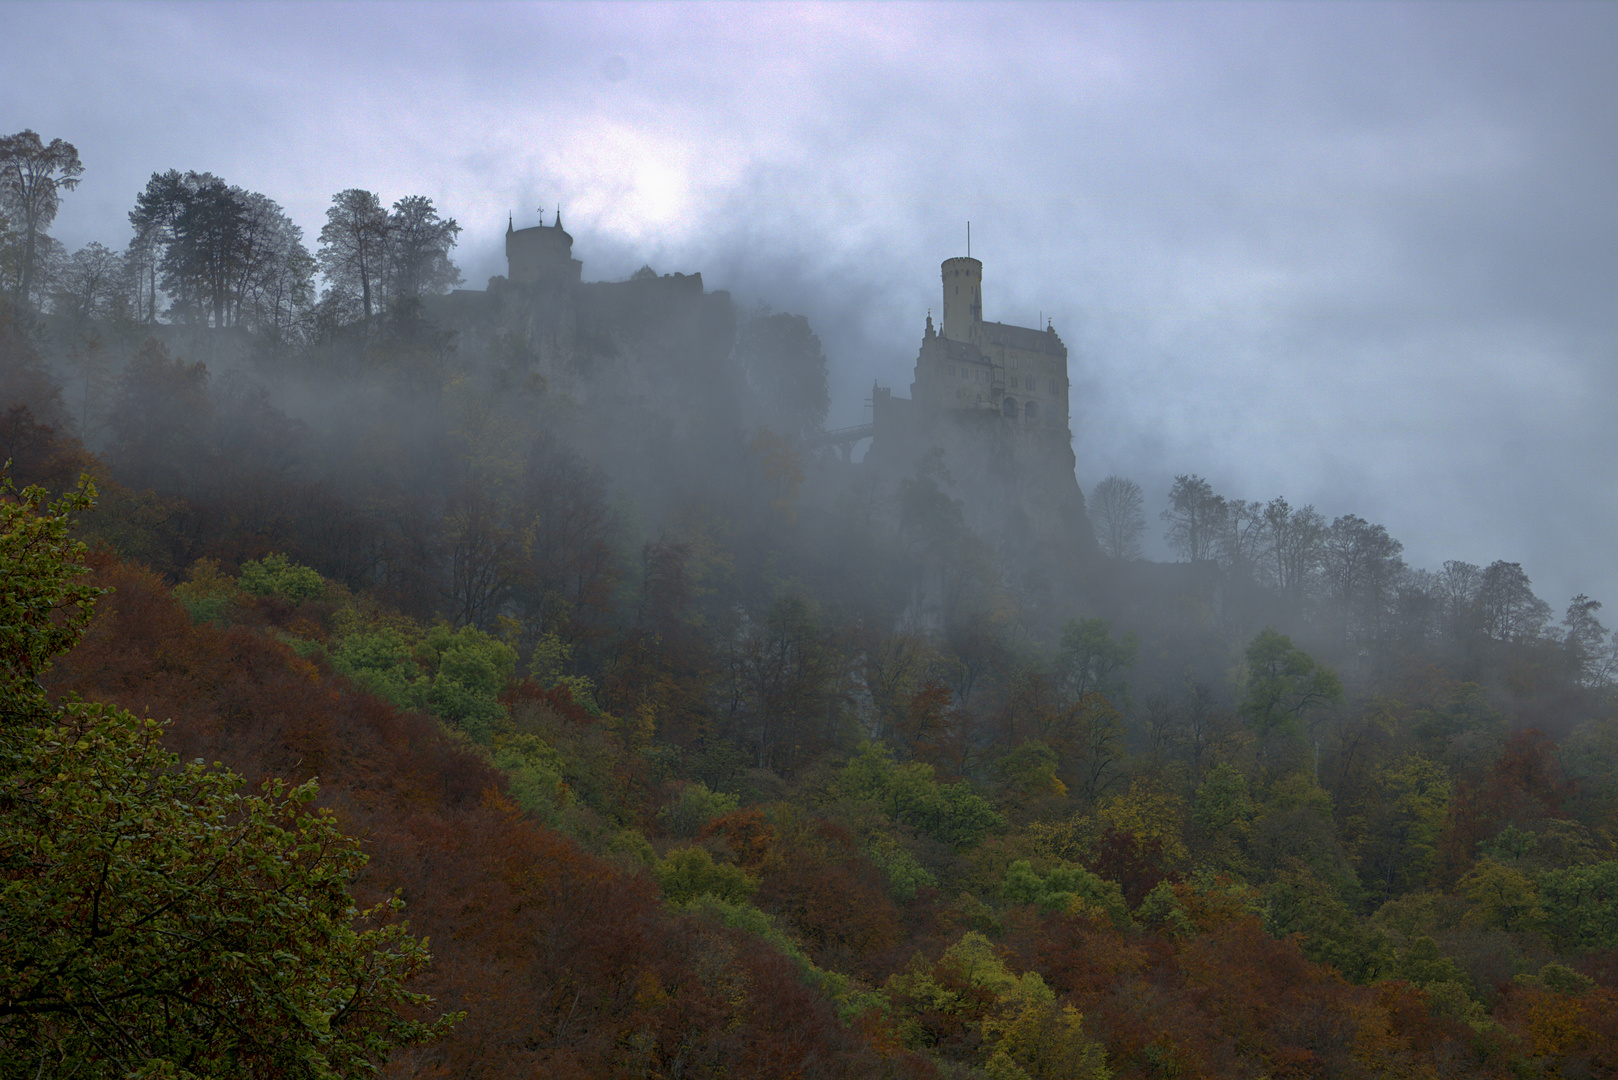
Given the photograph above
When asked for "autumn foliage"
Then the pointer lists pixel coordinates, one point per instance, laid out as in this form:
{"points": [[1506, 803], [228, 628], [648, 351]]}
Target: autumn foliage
{"points": [[564, 965], [703, 800]]}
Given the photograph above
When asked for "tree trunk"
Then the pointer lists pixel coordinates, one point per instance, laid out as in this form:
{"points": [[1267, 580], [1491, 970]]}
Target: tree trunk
{"points": [[25, 286]]}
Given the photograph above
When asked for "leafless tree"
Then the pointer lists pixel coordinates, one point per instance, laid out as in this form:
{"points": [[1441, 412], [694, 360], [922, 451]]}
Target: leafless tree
{"points": [[1117, 513]]}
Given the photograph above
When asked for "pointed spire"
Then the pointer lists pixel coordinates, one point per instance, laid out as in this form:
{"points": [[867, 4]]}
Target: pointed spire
{"points": [[558, 217], [510, 226]]}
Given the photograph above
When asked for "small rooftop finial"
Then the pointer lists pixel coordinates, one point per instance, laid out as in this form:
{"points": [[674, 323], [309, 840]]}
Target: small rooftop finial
{"points": [[510, 223], [558, 217]]}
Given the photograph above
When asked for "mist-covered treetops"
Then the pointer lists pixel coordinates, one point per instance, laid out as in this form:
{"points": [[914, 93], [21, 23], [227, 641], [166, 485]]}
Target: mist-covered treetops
{"points": [[695, 749]]}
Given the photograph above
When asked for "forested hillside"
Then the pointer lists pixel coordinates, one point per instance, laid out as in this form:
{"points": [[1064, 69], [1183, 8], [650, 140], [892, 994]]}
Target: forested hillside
{"points": [[747, 763]]}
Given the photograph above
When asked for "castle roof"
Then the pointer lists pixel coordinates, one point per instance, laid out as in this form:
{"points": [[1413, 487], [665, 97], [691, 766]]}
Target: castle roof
{"points": [[1024, 338], [955, 350], [543, 232]]}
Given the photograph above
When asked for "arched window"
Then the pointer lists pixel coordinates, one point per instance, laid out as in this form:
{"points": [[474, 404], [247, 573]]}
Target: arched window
{"points": [[1031, 410], [1009, 408]]}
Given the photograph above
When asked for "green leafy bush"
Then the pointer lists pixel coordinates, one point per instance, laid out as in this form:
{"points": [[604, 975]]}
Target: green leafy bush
{"points": [[689, 872], [693, 807], [1064, 888], [1581, 906], [275, 576], [383, 662], [155, 920], [536, 770], [207, 593], [952, 813]]}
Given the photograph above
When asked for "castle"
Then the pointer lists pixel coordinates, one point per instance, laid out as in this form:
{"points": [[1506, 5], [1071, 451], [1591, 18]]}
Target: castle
{"points": [[637, 373], [989, 404], [541, 256], [972, 364], [966, 364]]}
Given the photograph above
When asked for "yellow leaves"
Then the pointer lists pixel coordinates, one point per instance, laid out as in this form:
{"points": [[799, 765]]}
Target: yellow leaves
{"points": [[1026, 1033], [43, 611], [1069, 840], [1149, 814], [640, 728], [1554, 1023], [207, 592], [782, 470], [1501, 896], [918, 984], [1045, 1041], [1029, 1035], [1421, 788], [975, 959], [1028, 776], [649, 992], [689, 872]]}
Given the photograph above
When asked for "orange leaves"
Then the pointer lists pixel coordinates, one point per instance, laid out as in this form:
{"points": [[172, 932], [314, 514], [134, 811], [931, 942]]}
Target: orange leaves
{"points": [[840, 910], [750, 837], [566, 967], [1229, 1000], [558, 699], [936, 732], [1571, 1034]]}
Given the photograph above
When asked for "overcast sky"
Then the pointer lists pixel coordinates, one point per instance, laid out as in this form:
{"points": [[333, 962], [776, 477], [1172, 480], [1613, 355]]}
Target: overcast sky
{"points": [[1364, 256]]}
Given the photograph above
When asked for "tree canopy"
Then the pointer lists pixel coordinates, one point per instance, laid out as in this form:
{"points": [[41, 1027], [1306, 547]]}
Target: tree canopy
{"points": [[154, 919], [33, 174]]}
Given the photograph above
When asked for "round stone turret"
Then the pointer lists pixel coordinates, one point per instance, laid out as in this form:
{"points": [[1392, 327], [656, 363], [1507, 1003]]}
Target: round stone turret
{"points": [[541, 254]]}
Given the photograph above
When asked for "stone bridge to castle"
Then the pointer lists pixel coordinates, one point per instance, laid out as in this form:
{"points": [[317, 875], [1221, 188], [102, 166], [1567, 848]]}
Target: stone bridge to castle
{"points": [[844, 439]]}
